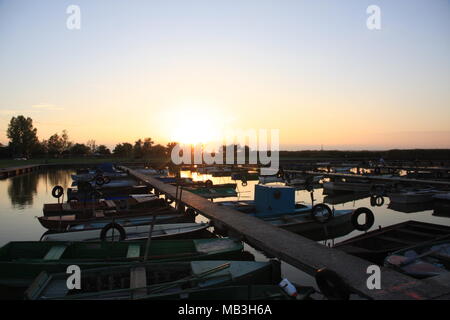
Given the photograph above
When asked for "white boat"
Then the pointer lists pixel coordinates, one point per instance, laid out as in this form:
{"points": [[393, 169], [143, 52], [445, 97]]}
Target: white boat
{"points": [[160, 231]]}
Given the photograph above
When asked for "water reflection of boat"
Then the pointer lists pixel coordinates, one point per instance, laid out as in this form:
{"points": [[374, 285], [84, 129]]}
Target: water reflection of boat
{"points": [[410, 207], [422, 261], [343, 198], [375, 245]]}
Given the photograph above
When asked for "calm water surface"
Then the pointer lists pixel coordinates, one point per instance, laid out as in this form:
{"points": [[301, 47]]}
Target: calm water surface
{"points": [[22, 199]]}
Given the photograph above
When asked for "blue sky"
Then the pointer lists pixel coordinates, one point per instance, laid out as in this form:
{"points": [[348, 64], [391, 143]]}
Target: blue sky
{"points": [[309, 68]]}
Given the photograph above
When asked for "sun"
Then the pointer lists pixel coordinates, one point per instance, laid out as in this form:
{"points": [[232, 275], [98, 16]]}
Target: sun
{"points": [[196, 125]]}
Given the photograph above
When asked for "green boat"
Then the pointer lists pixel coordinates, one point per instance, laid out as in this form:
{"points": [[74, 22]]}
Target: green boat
{"points": [[21, 262], [215, 191], [153, 280]]}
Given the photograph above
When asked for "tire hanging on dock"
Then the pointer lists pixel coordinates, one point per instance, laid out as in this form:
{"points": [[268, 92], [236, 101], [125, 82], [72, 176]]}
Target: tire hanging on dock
{"points": [[370, 219], [208, 184], [110, 226], [57, 192], [332, 285], [318, 208]]}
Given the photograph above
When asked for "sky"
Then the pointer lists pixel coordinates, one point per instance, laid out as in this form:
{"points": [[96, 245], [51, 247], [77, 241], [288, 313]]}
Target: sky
{"points": [[189, 69]]}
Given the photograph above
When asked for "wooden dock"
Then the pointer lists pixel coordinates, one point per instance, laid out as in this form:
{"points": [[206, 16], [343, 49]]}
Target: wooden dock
{"points": [[303, 253], [14, 171]]}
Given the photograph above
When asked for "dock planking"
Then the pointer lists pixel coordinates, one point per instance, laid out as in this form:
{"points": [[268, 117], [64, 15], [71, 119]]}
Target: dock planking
{"points": [[14, 171], [303, 253]]}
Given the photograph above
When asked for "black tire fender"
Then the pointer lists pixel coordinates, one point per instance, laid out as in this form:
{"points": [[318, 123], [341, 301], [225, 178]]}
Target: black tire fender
{"points": [[332, 285], [370, 219], [57, 192], [110, 226], [208, 183], [319, 207]]}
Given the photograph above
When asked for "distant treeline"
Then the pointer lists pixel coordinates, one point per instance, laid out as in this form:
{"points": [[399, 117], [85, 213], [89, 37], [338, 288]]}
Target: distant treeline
{"points": [[24, 143], [394, 154]]}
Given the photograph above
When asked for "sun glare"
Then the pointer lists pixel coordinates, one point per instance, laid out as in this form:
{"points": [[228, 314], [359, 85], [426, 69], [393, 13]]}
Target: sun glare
{"points": [[194, 125]]}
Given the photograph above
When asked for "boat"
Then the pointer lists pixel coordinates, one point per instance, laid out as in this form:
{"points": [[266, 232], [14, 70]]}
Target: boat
{"points": [[127, 222], [422, 261], [214, 191], [441, 204], [74, 194], [105, 170], [410, 207], [138, 201], [276, 205], [245, 176], [21, 262], [414, 196], [142, 281], [95, 216], [270, 179], [345, 197], [160, 231], [341, 184], [375, 245], [114, 184]]}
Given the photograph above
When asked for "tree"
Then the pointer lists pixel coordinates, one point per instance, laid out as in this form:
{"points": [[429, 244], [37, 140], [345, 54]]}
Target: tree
{"points": [[123, 150], [91, 144], [66, 144], [102, 149], [22, 136], [147, 147], [55, 145], [79, 149], [137, 149]]}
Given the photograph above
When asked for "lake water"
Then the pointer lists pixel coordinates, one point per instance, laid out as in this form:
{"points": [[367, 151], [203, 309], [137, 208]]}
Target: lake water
{"points": [[22, 199]]}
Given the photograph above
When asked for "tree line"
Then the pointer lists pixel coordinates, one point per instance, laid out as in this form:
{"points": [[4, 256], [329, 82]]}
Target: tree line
{"points": [[24, 143]]}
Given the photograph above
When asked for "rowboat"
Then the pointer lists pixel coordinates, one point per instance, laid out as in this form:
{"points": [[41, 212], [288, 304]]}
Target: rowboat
{"points": [[441, 204], [80, 195], [145, 201], [21, 262], [96, 216], [276, 205], [416, 196], [410, 207], [337, 185], [270, 179], [132, 221], [160, 231], [422, 261], [215, 191], [375, 245], [114, 184], [141, 281]]}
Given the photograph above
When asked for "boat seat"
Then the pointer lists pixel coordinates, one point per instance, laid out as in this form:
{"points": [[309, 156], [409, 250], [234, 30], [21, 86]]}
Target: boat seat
{"points": [[134, 251], [138, 281], [55, 252]]}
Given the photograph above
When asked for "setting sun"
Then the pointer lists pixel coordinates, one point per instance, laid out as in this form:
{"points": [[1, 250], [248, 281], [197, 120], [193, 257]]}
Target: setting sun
{"points": [[196, 124]]}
